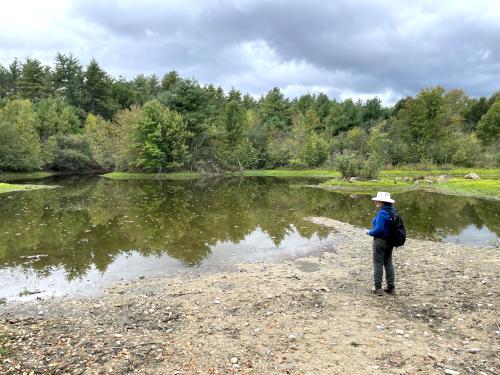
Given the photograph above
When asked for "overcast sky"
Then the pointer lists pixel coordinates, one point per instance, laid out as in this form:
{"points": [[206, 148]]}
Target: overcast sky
{"points": [[347, 48]]}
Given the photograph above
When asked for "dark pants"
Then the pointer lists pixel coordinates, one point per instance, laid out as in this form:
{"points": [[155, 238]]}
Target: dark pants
{"points": [[382, 258]]}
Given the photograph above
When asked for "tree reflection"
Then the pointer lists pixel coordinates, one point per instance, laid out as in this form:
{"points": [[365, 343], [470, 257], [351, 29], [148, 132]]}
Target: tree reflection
{"points": [[91, 221]]}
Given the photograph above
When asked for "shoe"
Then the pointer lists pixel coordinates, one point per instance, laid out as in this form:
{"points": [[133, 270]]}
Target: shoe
{"points": [[377, 291], [390, 290]]}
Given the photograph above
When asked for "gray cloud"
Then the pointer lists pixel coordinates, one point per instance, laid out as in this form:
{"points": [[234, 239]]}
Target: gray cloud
{"points": [[345, 48]]}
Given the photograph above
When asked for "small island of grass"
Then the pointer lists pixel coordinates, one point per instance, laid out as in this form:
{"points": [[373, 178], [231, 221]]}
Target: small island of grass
{"points": [[8, 188]]}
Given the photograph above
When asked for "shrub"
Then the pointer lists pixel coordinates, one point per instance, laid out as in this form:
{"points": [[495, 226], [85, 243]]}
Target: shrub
{"points": [[315, 151], [72, 153], [351, 164], [370, 167], [348, 163], [468, 152]]}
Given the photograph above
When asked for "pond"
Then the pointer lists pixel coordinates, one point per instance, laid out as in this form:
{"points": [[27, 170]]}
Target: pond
{"points": [[92, 231]]}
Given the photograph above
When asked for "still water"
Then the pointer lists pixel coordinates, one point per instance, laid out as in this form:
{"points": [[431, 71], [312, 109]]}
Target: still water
{"points": [[91, 231]]}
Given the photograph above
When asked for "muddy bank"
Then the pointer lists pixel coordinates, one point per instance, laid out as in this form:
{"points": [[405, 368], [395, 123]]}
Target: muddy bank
{"points": [[312, 315]]}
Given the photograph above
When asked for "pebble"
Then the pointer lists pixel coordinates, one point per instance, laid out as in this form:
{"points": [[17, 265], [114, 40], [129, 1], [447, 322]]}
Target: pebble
{"points": [[400, 332], [234, 360], [292, 337], [473, 350], [451, 372]]}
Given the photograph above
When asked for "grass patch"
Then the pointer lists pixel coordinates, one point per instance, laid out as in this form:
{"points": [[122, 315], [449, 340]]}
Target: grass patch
{"points": [[7, 188], [25, 176], [456, 172], [485, 188], [320, 173]]}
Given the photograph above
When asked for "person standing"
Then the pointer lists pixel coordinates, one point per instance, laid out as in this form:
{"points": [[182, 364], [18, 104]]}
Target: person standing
{"points": [[382, 249]]}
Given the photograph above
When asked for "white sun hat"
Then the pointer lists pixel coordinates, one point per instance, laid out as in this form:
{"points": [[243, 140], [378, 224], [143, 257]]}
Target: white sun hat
{"points": [[382, 196]]}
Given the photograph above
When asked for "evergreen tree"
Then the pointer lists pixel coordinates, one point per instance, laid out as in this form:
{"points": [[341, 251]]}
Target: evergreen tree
{"points": [[275, 110], [33, 80], [67, 79], [169, 80], [97, 86]]}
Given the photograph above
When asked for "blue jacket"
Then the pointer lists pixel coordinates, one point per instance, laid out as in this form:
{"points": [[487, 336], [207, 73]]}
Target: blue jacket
{"points": [[382, 223]]}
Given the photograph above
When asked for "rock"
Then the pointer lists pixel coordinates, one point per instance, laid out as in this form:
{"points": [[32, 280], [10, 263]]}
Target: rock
{"points": [[234, 360], [400, 332], [428, 181], [406, 178], [473, 350], [451, 372], [353, 179], [472, 176], [443, 179], [292, 337]]}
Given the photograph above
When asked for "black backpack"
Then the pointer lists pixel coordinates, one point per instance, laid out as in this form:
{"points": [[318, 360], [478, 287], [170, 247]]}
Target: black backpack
{"points": [[397, 236]]}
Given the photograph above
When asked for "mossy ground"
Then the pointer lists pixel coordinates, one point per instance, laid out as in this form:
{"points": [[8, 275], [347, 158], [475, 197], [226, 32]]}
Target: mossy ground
{"points": [[487, 187], [7, 188]]}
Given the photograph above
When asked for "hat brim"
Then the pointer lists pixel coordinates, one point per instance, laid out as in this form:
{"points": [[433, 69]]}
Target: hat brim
{"points": [[383, 200]]}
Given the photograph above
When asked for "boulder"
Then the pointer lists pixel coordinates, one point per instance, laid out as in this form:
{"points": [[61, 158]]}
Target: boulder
{"points": [[443, 179], [472, 176]]}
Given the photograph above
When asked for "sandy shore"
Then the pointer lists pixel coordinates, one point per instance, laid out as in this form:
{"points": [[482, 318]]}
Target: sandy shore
{"points": [[312, 315]]}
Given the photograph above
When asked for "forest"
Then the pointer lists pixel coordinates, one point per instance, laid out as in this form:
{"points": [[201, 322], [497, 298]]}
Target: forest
{"points": [[70, 117]]}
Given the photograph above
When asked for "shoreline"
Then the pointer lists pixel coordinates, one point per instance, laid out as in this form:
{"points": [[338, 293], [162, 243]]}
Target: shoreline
{"points": [[309, 315]]}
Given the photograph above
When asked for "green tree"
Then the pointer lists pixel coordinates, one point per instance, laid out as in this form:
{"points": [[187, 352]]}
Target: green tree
{"points": [[97, 86], [488, 128], [71, 152], [232, 121], [56, 117], [476, 110], [67, 79], [162, 137], [468, 151], [5, 79], [103, 140], [275, 111], [126, 126], [33, 80], [20, 148], [315, 151], [169, 80], [342, 116], [371, 110]]}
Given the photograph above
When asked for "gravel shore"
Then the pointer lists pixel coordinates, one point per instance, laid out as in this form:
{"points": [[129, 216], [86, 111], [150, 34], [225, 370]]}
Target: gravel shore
{"points": [[313, 315]]}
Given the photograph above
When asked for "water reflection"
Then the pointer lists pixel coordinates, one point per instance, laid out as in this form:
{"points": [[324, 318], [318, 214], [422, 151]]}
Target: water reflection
{"points": [[92, 226]]}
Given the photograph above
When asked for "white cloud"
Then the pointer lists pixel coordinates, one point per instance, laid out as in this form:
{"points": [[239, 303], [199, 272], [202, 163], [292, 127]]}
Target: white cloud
{"points": [[356, 49]]}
